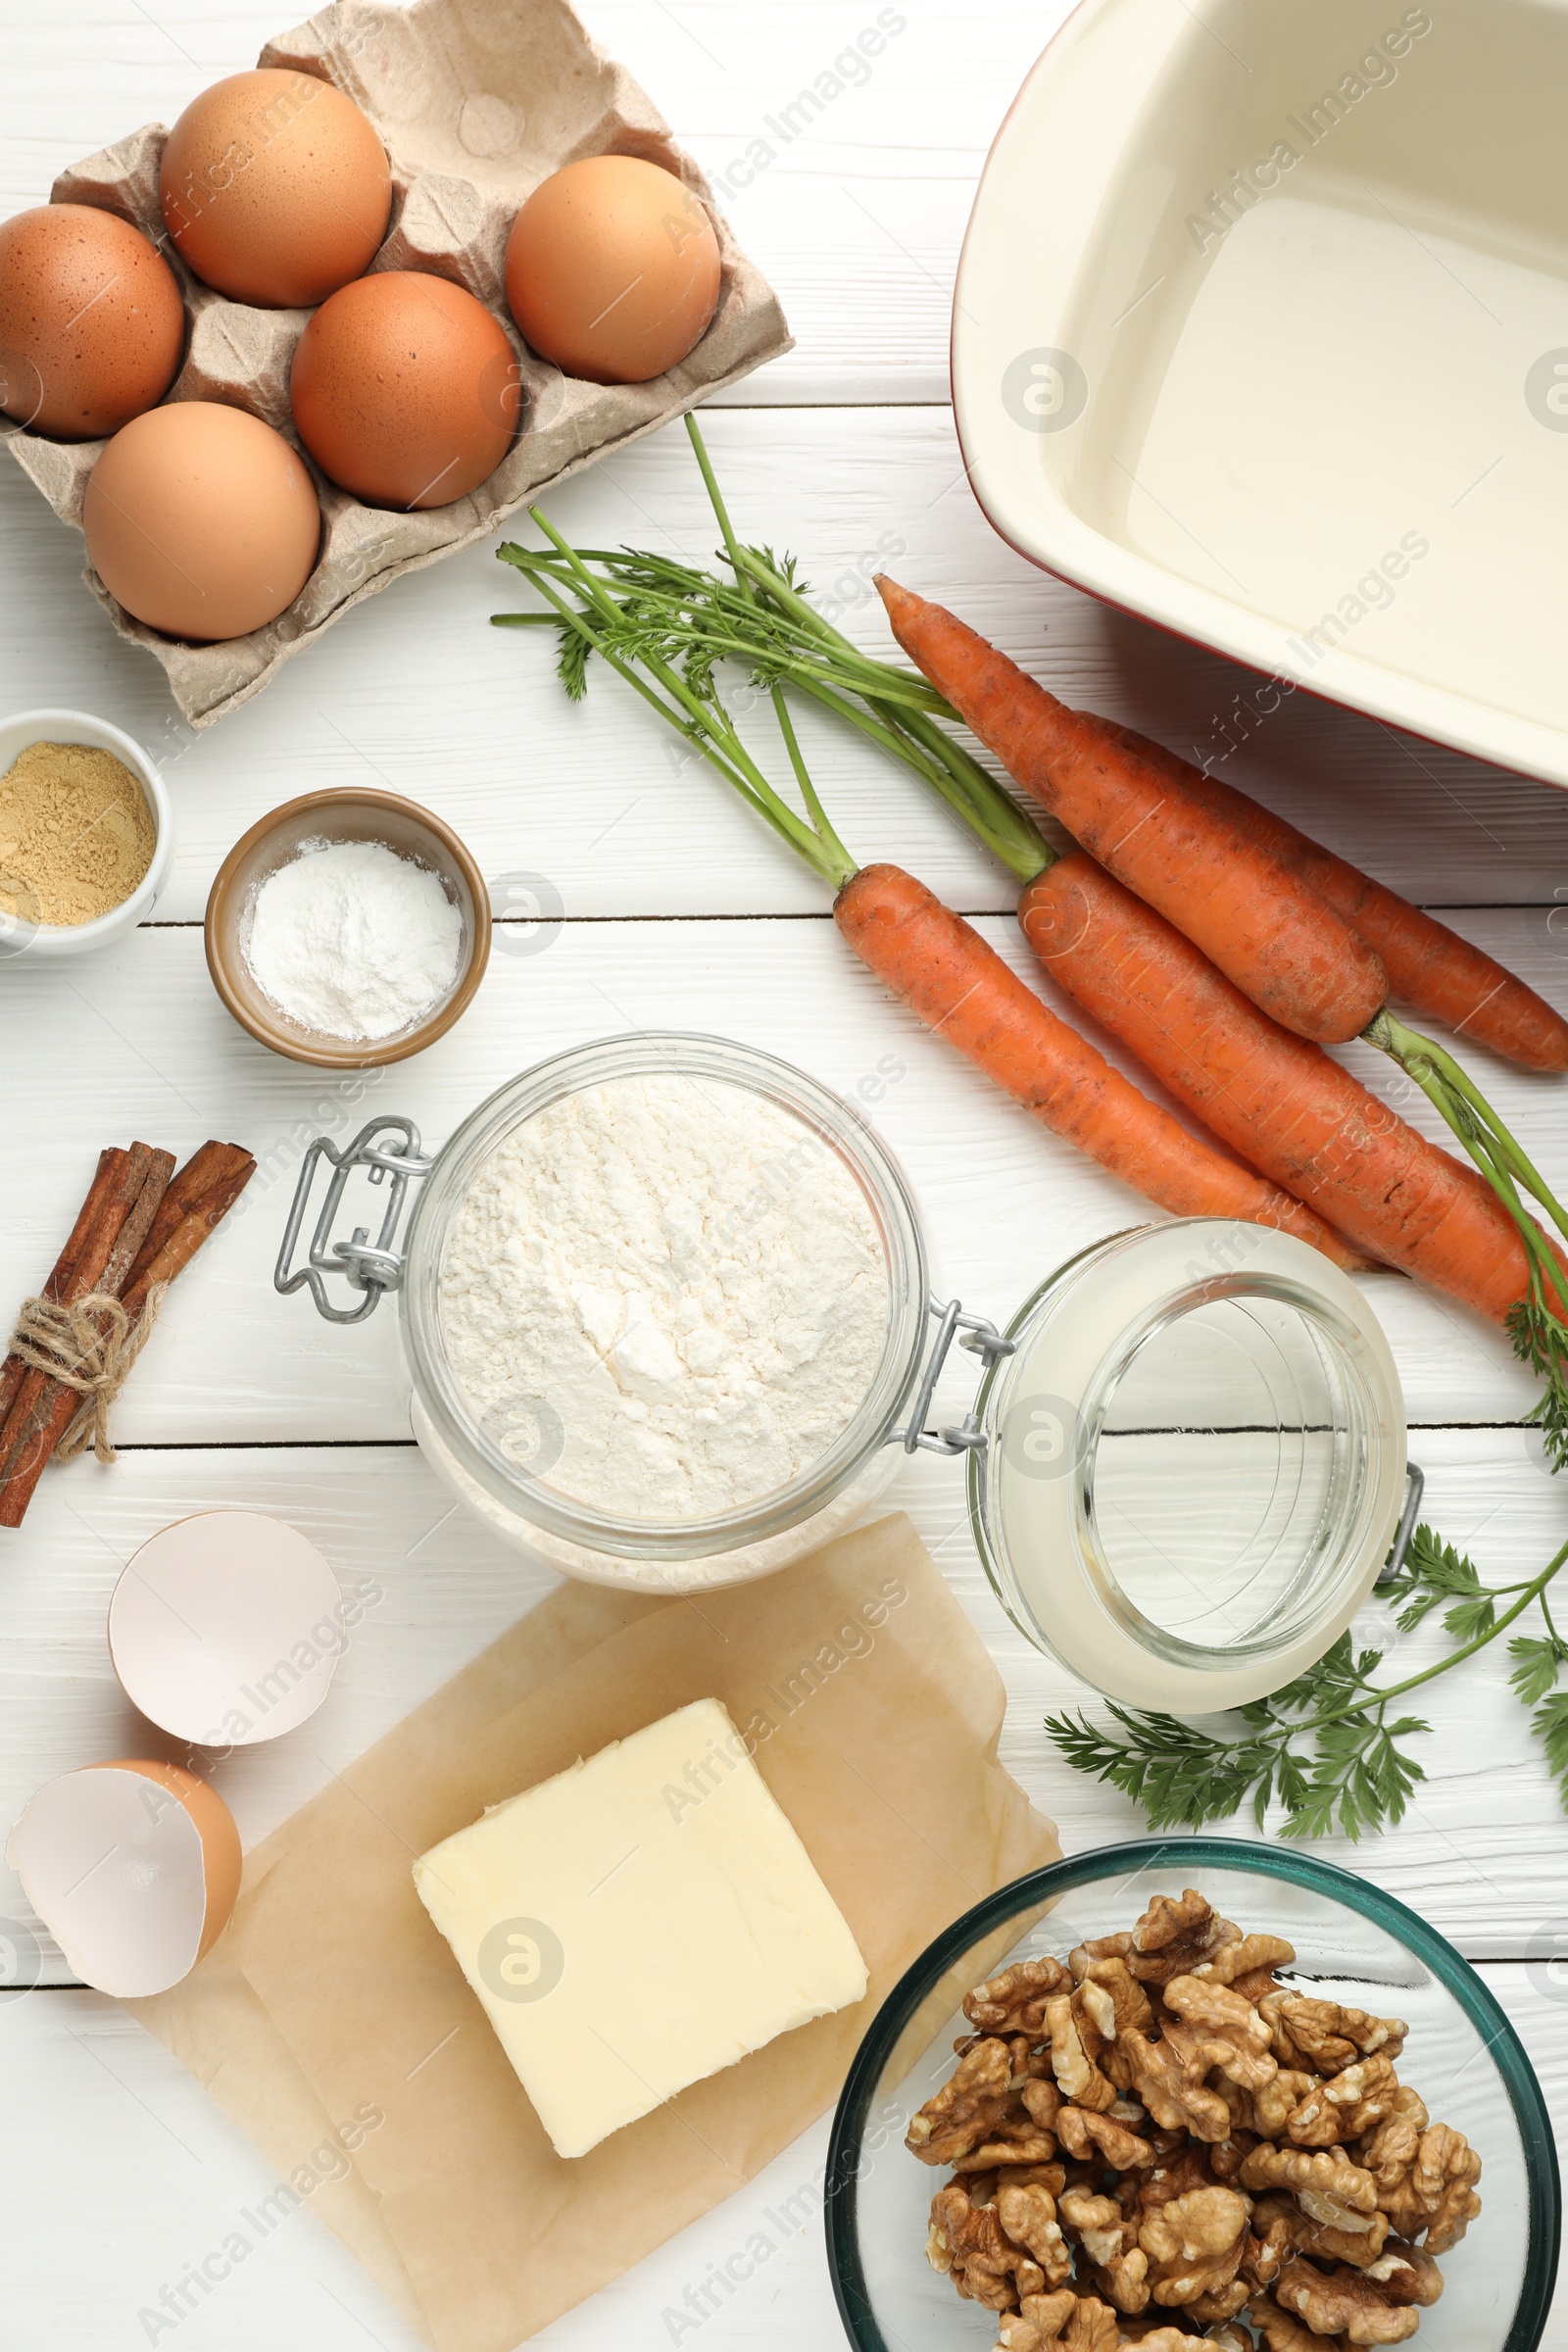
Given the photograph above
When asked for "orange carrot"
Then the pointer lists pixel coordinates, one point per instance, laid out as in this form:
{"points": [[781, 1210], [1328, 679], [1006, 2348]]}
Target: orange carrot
{"points": [[1300, 1117], [1275, 936], [959, 985], [1428, 965]]}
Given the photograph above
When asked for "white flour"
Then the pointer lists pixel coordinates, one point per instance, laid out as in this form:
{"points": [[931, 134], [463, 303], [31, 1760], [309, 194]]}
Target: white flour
{"points": [[353, 941], [691, 1283]]}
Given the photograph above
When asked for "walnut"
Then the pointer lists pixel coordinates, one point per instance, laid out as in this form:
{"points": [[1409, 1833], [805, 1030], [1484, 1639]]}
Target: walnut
{"points": [[1061, 2323], [1274, 2104], [1016, 2001], [1129, 2000], [1282, 2331], [1280, 2221], [1029, 2218], [1082, 2131], [1270, 2242], [1229, 2339], [1078, 2076], [965, 2111], [1362, 2306], [1169, 2080], [1322, 2038], [1330, 2187], [1103, 1948], [1222, 2027], [1093, 2327], [1177, 2177], [1227, 2156], [1348, 2106], [1052, 2176], [1024, 2134], [1108, 2242], [1173, 1937], [968, 2242], [1194, 2244], [1390, 2149], [1037, 2327], [1253, 1955], [1436, 2192], [1221, 2302]]}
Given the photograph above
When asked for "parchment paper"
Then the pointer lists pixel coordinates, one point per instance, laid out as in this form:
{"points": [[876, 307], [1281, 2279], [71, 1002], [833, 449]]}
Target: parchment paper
{"points": [[477, 102], [875, 1713]]}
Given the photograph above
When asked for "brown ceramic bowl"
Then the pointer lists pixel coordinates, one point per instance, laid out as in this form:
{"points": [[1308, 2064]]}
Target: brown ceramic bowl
{"points": [[403, 826]]}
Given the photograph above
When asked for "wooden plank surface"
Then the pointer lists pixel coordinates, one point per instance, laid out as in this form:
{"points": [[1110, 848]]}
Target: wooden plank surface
{"points": [[166, 2177], [117, 2173]]}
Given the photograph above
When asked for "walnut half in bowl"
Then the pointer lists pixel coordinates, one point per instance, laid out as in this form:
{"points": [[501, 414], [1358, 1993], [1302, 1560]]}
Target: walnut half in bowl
{"points": [[1255, 2118]]}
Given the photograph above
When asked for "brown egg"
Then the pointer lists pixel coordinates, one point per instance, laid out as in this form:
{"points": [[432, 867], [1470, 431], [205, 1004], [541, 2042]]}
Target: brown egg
{"points": [[613, 270], [276, 188], [202, 521], [405, 389], [91, 322]]}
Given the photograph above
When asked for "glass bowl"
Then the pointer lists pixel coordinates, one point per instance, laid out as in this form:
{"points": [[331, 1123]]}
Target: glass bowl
{"points": [[1354, 1943]]}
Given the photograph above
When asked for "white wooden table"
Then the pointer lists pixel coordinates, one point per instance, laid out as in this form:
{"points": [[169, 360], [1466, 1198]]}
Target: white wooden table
{"points": [[116, 2172]]}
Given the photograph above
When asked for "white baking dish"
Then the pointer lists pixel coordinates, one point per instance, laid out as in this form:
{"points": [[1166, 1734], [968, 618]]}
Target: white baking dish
{"points": [[1261, 332]]}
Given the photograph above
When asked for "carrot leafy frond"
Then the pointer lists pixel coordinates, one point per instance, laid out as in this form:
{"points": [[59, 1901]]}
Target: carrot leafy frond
{"points": [[1328, 1746]]}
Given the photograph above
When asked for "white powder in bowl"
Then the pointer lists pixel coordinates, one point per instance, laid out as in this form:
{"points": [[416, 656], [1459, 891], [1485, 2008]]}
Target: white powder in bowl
{"points": [[353, 941], [672, 1290]]}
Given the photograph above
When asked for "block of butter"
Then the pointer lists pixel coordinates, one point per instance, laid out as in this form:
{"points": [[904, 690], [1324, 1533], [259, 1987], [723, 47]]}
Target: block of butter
{"points": [[639, 1922]]}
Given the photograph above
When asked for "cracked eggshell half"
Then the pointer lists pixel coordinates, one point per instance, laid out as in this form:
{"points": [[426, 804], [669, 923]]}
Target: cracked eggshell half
{"points": [[133, 1867], [226, 1629]]}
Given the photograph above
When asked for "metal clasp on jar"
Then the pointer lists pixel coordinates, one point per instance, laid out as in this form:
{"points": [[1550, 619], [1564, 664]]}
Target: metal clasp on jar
{"points": [[374, 1267], [980, 1339]]}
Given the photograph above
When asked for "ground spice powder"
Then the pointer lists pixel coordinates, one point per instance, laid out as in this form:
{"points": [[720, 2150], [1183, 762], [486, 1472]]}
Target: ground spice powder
{"points": [[75, 834]]}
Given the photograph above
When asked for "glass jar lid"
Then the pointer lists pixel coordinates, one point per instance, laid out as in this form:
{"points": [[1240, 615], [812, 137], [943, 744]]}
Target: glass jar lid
{"points": [[1192, 1462]]}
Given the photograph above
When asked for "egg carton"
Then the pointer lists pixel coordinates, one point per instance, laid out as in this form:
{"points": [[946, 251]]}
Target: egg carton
{"points": [[477, 102]]}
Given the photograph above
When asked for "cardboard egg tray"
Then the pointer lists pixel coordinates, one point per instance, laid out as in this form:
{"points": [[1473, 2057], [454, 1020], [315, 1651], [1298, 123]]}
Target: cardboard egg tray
{"points": [[477, 102]]}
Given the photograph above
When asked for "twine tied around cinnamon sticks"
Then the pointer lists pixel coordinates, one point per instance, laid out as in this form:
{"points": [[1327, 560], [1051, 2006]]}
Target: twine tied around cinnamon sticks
{"points": [[76, 1342], [90, 1349]]}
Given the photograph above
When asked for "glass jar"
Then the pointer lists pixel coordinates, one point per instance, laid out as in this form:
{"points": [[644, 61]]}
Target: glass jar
{"points": [[1195, 1463], [1186, 1461], [494, 1464]]}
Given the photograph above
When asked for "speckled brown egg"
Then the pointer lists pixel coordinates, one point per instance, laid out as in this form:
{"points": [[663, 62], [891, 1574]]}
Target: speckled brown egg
{"points": [[405, 390], [613, 270], [91, 322], [202, 521], [276, 188]]}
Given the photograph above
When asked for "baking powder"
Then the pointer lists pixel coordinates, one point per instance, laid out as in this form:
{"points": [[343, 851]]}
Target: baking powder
{"points": [[353, 941], [685, 1275]]}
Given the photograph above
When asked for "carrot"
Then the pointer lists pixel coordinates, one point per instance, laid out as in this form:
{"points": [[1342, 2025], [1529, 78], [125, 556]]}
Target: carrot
{"points": [[1428, 965], [959, 987], [1299, 1116], [1255, 919]]}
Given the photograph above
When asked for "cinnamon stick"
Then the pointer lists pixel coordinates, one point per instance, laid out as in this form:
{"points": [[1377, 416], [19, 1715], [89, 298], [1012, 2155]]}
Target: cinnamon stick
{"points": [[43, 1408], [212, 1166], [110, 1162], [204, 1211]]}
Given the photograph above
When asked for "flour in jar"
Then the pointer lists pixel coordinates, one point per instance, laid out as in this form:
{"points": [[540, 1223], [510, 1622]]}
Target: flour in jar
{"points": [[688, 1281]]}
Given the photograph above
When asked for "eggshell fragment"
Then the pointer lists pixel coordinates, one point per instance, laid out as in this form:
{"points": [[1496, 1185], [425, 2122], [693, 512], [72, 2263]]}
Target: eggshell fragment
{"points": [[202, 521], [613, 270], [91, 322], [226, 1629], [274, 188], [133, 1867], [405, 389]]}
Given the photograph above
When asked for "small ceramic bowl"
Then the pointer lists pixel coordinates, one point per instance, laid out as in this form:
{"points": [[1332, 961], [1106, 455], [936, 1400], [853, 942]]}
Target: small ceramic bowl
{"points": [[21, 939], [334, 816]]}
